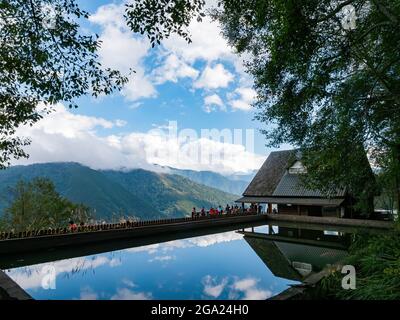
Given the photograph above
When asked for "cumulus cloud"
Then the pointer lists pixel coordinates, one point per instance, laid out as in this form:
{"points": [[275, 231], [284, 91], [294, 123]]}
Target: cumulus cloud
{"points": [[173, 69], [207, 44], [122, 50], [242, 98], [214, 77], [64, 135], [211, 102]]}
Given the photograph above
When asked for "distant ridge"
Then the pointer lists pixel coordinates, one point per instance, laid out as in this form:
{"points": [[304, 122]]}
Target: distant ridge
{"points": [[141, 193], [234, 184]]}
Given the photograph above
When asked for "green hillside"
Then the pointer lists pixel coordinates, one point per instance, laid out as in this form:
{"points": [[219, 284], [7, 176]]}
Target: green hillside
{"points": [[137, 193], [214, 180], [170, 193]]}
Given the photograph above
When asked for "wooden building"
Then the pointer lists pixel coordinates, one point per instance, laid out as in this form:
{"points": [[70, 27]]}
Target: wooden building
{"points": [[278, 186]]}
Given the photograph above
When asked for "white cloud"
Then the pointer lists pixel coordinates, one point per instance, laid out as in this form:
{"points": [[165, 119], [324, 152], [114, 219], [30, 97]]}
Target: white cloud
{"points": [[120, 123], [248, 287], [212, 287], [173, 69], [214, 78], [207, 43], [126, 294], [212, 101], [128, 283], [245, 289], [212, 239], [135, 105], [64, 135], [163, 258], [122, 50], [242, 98]]}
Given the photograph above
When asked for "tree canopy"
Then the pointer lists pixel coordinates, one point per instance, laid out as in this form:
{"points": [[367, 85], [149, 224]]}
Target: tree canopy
{"points": [[327, 80], [36, 204], [326, 72], [45, 58]]}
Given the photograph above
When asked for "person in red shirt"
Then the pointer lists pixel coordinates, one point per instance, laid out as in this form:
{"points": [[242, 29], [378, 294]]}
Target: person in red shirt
{"points": [[72, 226]]}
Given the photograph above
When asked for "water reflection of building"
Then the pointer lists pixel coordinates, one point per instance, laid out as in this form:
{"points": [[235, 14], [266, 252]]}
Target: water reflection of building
{"points": [[293, 253]]}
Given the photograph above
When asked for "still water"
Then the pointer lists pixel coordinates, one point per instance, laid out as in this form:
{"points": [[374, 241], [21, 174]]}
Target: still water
{"points": [[225, 265]]}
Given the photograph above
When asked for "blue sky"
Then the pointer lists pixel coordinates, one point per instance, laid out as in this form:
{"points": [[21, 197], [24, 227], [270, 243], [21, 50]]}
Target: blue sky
{"points": [[197, 86]]}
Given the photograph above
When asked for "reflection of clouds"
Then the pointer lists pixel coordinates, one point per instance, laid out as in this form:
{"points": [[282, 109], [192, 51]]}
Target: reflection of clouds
{"points": [[128, 283], [31, 277], [152, 248], [126, 294], [162, 258], [248, 287], [212, 239], [87, 293], [203, 241], [212, 287], [245, 289]]}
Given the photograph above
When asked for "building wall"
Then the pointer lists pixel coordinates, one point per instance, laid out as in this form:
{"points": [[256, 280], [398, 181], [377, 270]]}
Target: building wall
{"points": [[316, 211], [285, 209]]}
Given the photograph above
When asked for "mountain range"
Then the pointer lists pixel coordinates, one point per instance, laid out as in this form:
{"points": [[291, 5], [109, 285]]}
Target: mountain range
{"points": [[235, 184], [140, 193]]}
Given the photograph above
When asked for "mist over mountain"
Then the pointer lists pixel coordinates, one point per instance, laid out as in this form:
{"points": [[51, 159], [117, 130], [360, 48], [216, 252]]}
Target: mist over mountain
{"points": [[234, 183], [141, 193]]}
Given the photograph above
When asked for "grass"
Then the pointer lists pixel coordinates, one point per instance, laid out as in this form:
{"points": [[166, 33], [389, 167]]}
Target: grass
{"points": [[376, 259]]}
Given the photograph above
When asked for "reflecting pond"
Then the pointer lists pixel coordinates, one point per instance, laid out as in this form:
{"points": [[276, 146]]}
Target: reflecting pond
{"points": [[253, 263]]}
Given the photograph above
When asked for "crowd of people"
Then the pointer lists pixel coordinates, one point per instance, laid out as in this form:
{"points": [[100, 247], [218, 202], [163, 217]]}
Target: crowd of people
{"points": [[234, 209], [217, 211]]}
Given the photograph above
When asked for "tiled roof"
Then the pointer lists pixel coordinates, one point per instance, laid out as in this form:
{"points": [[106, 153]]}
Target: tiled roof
{"points": [[274, 180], [291, 186], [333, 202], [271, 172]]}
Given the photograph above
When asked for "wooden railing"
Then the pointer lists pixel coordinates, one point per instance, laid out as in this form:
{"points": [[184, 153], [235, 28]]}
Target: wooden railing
{"points": [[112, 226]]}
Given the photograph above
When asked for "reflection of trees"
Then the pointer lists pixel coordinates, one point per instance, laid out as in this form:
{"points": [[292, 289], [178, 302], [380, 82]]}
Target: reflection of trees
{"points": [[66, 269]]}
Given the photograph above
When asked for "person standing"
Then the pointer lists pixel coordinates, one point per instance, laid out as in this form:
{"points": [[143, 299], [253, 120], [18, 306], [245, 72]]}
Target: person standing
{"points": [[72, 226], [193, 212]]}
